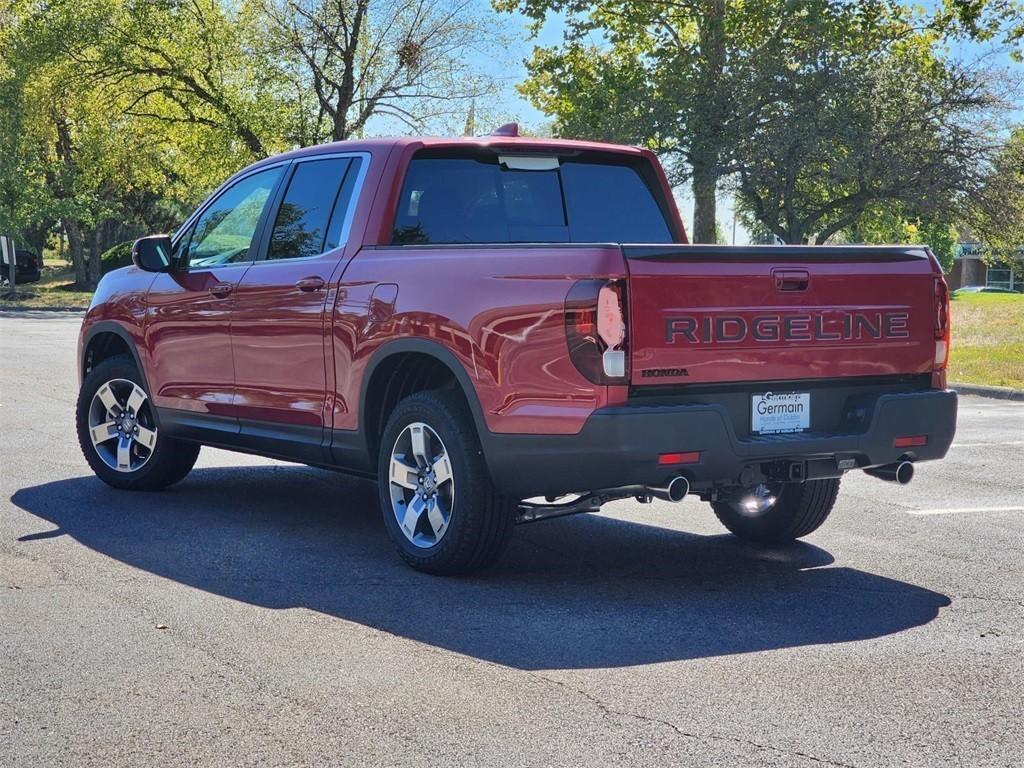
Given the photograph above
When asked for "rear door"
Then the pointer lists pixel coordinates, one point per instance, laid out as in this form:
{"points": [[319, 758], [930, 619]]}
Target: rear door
{"points": [[278, 333], [703, 315]]}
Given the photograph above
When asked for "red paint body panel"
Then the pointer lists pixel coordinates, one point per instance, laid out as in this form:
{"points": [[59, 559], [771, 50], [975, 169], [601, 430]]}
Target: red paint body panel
{"points": [[277, 341], [744, 296], [502, 318], [187, 334]]}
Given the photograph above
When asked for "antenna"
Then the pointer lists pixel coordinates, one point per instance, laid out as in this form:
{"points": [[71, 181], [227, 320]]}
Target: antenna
{"points": [[508, 129]]}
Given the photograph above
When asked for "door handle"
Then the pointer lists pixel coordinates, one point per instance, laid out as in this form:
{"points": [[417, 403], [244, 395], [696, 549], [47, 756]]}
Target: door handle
{"points": [[791, 279], [221, 290], [310, 284]]}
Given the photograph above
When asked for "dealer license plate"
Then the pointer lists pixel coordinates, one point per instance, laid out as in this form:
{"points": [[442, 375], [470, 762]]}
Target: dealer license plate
{"points": [[773, 413]]}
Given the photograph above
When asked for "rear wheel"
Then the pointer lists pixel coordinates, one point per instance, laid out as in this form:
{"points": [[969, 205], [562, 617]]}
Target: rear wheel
{"points": [[778, 512], [118, 434], [440, 508]]}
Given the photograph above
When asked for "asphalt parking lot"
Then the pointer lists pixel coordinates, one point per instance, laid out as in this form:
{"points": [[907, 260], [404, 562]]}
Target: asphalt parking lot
{"points": [[256, 615]]}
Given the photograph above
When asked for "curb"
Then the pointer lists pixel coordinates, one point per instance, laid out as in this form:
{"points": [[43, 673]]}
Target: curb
{"points": [[29, 308], [1000, 393]]}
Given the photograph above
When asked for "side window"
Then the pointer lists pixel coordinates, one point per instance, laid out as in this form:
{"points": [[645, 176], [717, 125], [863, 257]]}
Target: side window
{"points": [[224, 233], [304, 218], [341, 217]]}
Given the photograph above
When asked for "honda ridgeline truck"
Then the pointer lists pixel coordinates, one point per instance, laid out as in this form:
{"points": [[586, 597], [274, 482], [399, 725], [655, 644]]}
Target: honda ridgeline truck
{"points": [[501, 330]]}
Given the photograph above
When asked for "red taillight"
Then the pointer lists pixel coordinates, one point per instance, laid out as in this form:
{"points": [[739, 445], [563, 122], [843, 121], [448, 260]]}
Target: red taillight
{"points": [[584, 322], [941, 306], [595, 329], [690, 457], [910, 441]]}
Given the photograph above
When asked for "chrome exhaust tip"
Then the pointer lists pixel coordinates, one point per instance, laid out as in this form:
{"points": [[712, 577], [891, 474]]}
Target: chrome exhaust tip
{"points": [[675, 490], [901, 472]]}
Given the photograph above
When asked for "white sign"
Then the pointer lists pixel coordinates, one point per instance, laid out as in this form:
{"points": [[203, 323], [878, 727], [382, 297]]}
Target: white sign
{"points": [[775, 412]]}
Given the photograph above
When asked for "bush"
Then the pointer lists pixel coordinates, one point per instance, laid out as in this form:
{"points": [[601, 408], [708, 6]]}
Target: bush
{"points": [[115, 258]]}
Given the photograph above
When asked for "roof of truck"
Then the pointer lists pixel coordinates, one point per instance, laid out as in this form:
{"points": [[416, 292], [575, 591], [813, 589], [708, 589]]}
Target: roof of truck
{"points": [[507, 140]]}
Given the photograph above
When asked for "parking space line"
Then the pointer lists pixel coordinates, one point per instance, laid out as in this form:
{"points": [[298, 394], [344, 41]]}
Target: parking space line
{"points": [[960, 510], [986, 445]]}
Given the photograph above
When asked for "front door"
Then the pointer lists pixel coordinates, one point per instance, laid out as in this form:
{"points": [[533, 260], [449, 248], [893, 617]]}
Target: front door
{"points": [[278, 321], [189, 329]]}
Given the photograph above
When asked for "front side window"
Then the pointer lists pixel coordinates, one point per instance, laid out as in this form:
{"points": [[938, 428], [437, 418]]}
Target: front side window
{"points": [[224, 233], [303, 220], [479, 200]]}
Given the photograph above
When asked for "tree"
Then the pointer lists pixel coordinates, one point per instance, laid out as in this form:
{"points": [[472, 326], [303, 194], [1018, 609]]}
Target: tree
{"points": [[667, 75], [880, 225], [409, 61], [996, 215], [190, 64], [857, 131], [96, 148], [695, 79]]}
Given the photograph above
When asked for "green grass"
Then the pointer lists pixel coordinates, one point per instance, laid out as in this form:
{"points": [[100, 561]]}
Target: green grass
{"points": [[988, 339], [55, 289]]}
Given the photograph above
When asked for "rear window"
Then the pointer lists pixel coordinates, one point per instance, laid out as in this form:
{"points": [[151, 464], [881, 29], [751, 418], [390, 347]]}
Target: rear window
{"points": [[479, 200]]}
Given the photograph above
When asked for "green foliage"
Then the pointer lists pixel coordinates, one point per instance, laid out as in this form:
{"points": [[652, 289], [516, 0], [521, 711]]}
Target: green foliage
{"points": [[817, 112], [996, 213], [120, 116], [116, 257], [881, 225]]}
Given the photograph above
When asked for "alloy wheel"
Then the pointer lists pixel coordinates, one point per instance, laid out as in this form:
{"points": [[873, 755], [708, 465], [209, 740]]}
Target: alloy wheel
{"points": [[422, 487], [121, 425]]}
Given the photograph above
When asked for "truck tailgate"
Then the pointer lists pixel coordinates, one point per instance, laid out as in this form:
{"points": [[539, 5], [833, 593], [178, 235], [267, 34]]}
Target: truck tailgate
{"points": [[715, 314]]}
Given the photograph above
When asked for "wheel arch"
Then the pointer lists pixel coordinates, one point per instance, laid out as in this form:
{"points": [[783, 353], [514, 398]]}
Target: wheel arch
{"points": [[108, 339], [375, 401]]}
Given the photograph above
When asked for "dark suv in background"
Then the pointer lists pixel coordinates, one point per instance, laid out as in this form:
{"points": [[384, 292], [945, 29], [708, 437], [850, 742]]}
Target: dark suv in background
{"points": [[29, 266]]}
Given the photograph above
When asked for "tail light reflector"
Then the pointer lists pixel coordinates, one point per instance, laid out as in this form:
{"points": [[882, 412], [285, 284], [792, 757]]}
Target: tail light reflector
{"points": [[910, 441], [690, 457]]}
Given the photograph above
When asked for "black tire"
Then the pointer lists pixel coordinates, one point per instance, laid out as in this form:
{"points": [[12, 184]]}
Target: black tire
{"points": [[481, 520], [170, 459], [799, 510]]}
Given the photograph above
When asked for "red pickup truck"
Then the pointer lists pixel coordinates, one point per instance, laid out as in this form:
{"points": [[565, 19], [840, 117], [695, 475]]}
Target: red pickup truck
{"points": [[502, 330]]}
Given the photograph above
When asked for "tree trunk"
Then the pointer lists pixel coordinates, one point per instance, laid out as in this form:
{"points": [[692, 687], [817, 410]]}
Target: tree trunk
{"points": [[76, 251], [707, 126], [705, 185], [95, 269]]}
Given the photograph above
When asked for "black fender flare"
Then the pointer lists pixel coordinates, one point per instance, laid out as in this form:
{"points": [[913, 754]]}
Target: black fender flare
{"points": [[116, 328], [442, 355]]}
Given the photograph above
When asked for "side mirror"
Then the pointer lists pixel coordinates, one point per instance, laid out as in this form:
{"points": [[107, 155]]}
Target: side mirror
{"points": [[152, 253]]}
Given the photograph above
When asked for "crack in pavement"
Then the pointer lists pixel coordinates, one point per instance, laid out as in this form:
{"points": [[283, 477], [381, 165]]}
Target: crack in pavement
{"points": [[605, 709]]}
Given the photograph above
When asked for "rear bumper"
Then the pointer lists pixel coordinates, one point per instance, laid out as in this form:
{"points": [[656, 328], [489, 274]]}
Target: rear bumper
{"points": [[620, 446]]}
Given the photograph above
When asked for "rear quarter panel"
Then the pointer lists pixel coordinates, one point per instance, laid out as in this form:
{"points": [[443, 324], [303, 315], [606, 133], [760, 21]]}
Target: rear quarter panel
{"points": [[499, 310]]}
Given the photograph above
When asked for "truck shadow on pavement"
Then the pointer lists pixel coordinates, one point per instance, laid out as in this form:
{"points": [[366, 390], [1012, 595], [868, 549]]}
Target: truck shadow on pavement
{"points": [[586, 592]]}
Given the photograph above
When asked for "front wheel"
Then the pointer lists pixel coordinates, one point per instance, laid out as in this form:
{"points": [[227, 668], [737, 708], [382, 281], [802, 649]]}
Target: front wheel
{"points": [[778, 512], [118, 433], [440, 508]]}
